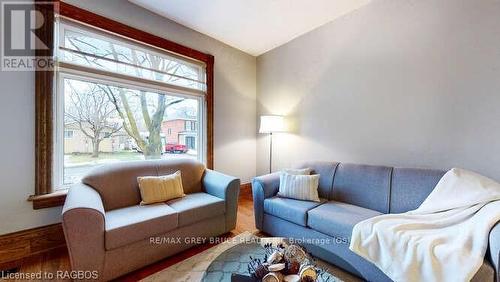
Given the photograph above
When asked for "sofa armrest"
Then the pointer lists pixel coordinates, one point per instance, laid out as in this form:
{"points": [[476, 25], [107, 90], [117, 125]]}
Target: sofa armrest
{"points": [[263, 187], [227, 188], [83, 224], [494, 250]]}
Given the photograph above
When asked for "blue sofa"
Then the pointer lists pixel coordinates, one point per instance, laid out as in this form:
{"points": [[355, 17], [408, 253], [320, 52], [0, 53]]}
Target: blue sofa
{"points": [[349, 194]]}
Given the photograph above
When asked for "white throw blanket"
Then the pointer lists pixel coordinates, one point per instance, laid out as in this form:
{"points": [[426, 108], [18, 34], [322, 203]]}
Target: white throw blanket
{"points": [[445, 239]]}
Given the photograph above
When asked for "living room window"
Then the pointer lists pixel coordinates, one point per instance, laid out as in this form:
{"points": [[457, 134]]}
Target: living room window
{"points": [[112, 96], [117, 96]]}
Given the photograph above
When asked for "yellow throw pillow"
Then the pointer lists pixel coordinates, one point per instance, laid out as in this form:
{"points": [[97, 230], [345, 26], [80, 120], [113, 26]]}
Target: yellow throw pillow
{"points": [[157, 189]]}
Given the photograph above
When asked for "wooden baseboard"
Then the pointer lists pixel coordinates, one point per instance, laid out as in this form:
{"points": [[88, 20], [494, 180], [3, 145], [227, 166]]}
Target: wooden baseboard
{"points": [[22, 244], [18, 245]]}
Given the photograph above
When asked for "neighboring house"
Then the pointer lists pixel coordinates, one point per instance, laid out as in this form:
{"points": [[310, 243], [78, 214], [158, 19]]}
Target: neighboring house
{"points": [[77, 142], [181, 130]]}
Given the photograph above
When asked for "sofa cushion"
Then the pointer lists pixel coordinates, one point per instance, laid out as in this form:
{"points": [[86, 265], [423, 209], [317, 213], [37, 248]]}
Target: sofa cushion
{"points": [[337, 219], [159, 189], [290, 209], [135, 223], [117, 182], [326, 171], [366, 186], [196, 207], [299, 187], [411, 186]]}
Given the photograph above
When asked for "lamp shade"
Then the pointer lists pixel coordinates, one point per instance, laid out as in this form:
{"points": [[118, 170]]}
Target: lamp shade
{"points": [[270, 124]]}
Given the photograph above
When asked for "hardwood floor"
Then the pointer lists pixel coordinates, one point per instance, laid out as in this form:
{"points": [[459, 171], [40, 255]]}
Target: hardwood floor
{"points": [[245, 220], [58, 259]]}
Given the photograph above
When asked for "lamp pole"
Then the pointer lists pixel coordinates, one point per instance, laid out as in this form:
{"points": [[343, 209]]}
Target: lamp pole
{"points": [[270, 152], [268, 125]]}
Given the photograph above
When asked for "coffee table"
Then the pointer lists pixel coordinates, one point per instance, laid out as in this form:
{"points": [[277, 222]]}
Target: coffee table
{"points": [[232, 264], [220, 262]]}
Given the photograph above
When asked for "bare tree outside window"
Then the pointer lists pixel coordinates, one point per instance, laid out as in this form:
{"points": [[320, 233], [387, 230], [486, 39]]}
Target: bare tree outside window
{"points": [[114, 119], [91, 111], [150, 145], [152, 66]]}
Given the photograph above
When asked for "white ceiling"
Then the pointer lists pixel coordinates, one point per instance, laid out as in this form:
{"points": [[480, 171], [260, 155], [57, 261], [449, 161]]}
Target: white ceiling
{"points": [[254, 26]]}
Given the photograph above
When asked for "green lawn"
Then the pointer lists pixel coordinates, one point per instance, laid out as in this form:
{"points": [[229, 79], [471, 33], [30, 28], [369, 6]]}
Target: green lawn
{"points": [[87, 158]]}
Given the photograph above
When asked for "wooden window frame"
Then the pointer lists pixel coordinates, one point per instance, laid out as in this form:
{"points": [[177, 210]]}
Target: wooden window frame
{"points": [[44, 97]]}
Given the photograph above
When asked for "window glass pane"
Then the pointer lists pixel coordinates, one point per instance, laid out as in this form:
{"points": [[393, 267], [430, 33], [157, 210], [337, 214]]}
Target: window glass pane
{"points": [[83, 47], [105, 124]]}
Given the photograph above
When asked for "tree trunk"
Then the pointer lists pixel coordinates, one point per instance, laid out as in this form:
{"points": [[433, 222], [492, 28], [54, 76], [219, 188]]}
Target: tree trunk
{"points": [[95, 148], [154, 146]]}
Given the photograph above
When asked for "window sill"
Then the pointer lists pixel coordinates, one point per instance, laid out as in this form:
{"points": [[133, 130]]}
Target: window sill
{"points": [[55, 199]]}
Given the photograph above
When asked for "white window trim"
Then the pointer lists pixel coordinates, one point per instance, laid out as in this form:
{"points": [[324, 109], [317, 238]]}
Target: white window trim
{"points": [[72, 71], [62, 25]]}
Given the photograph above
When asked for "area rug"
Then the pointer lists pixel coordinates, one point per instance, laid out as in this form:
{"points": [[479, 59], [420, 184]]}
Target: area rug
{"points": [[194, 269]]}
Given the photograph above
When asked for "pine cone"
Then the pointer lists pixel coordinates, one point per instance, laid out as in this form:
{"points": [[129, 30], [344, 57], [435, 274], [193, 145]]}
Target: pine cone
{"points": [[292, 267], [261, 271], [307, 279]]}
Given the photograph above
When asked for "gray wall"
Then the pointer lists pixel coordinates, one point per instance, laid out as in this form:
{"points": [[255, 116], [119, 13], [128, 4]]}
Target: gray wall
{"points": [[235, 107], [403, 83]]}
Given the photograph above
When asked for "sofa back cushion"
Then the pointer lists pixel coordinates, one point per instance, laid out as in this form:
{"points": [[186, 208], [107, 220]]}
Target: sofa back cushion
{"points": [[117, 183], [366, 186], [411, 186], [326, 171], [192, 173]]}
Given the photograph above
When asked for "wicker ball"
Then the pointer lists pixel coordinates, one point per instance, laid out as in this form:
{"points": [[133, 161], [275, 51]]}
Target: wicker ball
{"points": [[308, 272], [294, 253], [273, 277]]}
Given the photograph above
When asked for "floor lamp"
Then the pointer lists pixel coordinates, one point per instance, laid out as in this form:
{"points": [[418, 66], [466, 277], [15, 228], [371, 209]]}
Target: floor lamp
{"points": [[270, 124]]}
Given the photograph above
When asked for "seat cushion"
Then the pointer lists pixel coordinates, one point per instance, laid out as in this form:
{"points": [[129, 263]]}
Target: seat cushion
{"points": [[135, 223], [337, 219], [196, 207], [289, 209]]}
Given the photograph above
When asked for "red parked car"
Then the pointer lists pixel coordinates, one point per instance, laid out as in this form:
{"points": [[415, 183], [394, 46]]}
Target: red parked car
{"points": [[176, 148]]}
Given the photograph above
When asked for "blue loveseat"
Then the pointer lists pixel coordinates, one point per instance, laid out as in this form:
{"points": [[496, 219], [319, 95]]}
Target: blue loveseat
{"points": [[349, 194]]}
